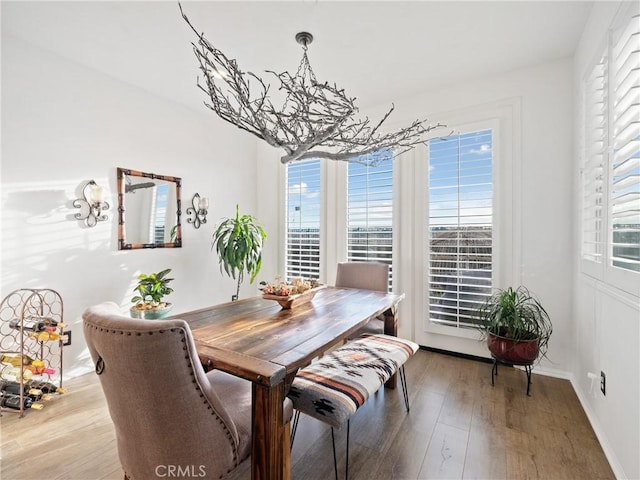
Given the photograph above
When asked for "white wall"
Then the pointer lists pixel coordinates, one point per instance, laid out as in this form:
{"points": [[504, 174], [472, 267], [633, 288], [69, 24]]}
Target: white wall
{"points": [[64, 124], [607, 321]]}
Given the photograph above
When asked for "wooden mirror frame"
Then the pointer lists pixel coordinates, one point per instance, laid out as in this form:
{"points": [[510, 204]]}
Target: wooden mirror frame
{"points": [[121, 184]]}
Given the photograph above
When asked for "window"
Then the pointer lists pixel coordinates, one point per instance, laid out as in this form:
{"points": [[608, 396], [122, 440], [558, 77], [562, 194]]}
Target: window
{"points": [[593, 175], [370, 213], [303, 219], [611, 172], [460, 226], [624, 173]]}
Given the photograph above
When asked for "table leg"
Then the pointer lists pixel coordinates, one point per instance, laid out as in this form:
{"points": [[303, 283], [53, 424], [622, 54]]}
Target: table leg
{"points": [[269, 457], [391, 328]]}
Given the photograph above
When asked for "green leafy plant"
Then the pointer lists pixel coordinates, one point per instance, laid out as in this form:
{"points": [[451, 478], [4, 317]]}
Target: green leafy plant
{"points": [[517, 315], [238, 242], [152, 288]]}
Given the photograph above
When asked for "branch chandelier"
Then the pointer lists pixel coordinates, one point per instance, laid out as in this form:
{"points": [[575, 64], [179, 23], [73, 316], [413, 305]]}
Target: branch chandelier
{"points": [[316, 120]]}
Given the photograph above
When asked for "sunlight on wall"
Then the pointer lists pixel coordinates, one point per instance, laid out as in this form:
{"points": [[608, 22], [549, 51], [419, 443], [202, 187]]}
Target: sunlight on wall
{"points": [[40, 234], [44, 246]]}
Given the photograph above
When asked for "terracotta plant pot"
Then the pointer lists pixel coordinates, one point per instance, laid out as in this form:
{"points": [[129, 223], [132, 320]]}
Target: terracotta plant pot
{"points": [[523, 352]]}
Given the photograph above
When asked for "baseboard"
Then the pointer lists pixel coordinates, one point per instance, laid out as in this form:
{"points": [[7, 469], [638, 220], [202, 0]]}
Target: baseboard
{"points": [[549, 372], [618, 471], [457, 354]]}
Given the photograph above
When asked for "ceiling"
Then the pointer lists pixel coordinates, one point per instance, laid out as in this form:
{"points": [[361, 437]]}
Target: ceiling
{"points": [[377, 51]]}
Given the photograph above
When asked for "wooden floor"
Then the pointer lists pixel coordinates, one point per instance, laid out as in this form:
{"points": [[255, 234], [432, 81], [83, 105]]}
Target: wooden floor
{"points": [[459, 426]]}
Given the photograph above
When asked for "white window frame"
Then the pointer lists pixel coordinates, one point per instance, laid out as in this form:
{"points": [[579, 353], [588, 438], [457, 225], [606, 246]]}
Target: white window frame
{"points": [[504, 118], [459, 129], [333, 219], [592, 261], [620, 278], [409, 220]]}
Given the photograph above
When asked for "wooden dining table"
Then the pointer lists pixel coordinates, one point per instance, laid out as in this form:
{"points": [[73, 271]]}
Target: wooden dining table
{"points": [[256, 339]]}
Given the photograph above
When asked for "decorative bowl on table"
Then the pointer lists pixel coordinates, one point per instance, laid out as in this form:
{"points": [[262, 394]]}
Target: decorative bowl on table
{"points": [[290, 295]]}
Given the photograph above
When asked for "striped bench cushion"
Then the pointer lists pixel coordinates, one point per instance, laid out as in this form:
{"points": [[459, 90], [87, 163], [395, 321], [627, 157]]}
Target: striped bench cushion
{"points": [[333, 388]]}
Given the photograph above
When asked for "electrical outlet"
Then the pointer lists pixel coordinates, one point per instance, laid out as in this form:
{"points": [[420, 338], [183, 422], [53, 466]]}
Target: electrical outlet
{"points": [[66, 338], [603, 383]]}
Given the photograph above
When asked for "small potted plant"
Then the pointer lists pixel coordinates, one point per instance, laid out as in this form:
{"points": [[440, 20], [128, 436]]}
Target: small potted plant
{"points": [[516, 326], [238, 242], [151, 289]]}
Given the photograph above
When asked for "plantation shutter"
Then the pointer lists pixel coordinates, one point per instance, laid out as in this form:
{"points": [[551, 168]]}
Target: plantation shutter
{"points": [[595, 156], [624, 173], [370, 213], [460, 226], [303, 219]]}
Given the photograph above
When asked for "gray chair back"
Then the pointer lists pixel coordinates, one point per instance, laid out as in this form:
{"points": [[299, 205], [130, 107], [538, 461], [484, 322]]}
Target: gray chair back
{"points": [[365, 275], [164, 408]]}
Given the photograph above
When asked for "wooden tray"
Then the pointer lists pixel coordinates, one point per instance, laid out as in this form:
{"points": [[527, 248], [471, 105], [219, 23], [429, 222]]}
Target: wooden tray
{"points": [[291, 301]]}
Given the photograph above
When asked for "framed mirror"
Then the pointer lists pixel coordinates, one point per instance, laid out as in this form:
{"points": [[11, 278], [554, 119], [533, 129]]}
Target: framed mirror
{"points": [[149, 209]]}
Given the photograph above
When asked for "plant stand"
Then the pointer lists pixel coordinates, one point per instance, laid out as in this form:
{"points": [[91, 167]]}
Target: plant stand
{"points": [[528, 367]]}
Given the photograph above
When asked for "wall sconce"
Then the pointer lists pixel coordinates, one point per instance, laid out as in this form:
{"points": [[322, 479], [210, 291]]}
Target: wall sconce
{"points": [[93, 202], [199, 210]]}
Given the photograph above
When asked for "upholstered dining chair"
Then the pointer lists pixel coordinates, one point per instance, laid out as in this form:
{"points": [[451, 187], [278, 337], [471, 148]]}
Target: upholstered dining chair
{"points": [[368, 276], [170, 417]]}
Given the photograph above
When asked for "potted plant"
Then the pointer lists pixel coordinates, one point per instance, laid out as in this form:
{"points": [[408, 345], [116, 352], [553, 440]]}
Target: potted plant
{"points": [[238, 242], [151, 289], [516, 326]]}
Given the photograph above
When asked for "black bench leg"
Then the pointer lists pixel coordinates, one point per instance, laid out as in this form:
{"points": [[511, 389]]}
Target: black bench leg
{"points": [[346, 475], [294, 428], [335, 461], [403, 383]]}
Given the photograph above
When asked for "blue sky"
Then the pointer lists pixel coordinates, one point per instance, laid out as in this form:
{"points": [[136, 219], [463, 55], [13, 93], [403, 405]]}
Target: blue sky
{"points": [[460, 179], [460, 185]]}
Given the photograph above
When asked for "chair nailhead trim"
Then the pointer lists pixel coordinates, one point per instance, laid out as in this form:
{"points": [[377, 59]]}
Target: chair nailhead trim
{"points": [[181, 332]]}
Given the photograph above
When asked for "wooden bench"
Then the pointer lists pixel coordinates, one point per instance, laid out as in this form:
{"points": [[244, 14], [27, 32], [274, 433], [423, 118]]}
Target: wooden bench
{"points": [[336, 386]]}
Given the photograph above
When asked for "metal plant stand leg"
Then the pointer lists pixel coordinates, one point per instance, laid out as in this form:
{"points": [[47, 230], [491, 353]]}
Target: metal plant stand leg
{"points": [[528, 368], [494, 370]]}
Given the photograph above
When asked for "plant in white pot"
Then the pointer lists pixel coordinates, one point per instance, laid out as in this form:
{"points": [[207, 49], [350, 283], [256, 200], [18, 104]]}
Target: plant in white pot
{"points": [[238, 242], [152, 288]]}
